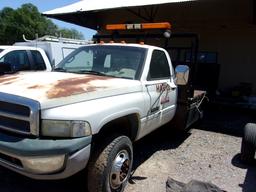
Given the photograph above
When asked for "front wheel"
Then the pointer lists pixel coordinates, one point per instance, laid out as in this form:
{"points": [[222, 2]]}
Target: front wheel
{"points": [[110, 166]]}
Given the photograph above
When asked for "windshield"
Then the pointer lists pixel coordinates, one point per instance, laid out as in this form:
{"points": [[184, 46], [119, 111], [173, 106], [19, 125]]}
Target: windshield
{"points": [[116, 61]]}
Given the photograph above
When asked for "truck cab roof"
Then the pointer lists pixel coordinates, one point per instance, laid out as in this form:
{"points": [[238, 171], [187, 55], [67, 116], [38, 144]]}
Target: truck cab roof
{"points": [[145, 46]]}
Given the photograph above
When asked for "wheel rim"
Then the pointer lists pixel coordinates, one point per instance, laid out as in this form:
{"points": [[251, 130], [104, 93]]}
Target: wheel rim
{"points": [[120, 169]]}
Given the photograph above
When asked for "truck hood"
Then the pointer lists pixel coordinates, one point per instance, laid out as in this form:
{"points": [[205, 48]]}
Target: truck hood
{"points": [[54, 89]]}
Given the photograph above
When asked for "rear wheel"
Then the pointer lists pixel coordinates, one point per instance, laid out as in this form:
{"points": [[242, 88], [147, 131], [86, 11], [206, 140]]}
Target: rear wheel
{"points": [[248, 143], [110, 166]]}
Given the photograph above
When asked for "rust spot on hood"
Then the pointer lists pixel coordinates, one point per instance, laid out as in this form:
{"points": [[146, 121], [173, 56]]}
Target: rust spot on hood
{"points": [[7, 79], [74, 86]]}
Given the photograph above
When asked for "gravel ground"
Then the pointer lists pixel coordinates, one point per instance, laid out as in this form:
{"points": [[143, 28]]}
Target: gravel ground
{"points": [[210, 152], [205, 156]]}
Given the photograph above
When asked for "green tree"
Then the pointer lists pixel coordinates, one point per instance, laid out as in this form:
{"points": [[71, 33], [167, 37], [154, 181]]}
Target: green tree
{"points": [[29, 21], [70, 33], [6, 15]]}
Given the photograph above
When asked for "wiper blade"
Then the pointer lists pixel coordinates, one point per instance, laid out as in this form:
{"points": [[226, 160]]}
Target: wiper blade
{"points": [[59, 69], [91, 72]]}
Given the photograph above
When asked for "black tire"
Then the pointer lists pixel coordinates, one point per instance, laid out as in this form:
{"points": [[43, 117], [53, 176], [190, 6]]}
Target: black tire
{"points": [[100, 167], [248, 143]]}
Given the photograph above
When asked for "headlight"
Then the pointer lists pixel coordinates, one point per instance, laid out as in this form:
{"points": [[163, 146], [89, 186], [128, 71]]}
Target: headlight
{"points": [[57, 128]]}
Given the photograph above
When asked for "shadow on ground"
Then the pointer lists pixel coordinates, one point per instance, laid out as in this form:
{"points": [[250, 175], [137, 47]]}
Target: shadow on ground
{"points": [[226, 120], [12, 182], [162, 139], [249, 184]]}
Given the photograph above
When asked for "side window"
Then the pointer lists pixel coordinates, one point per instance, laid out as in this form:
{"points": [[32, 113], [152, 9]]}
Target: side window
{"points": [[159, 66], [17, 59], [39, 63]]}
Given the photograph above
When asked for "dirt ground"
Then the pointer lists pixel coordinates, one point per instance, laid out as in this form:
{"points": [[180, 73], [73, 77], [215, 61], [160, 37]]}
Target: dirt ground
{"points": [[209, 152]]}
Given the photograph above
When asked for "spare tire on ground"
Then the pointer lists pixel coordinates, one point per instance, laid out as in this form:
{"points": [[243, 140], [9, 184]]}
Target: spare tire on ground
{"points": [[193, 186], [248, 145]]}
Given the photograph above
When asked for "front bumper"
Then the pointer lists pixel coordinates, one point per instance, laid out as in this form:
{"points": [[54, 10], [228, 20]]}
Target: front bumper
{"points": [[14, 150]]}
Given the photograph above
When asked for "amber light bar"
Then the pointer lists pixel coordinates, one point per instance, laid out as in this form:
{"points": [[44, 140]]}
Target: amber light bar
{"points": [[163, 25]]}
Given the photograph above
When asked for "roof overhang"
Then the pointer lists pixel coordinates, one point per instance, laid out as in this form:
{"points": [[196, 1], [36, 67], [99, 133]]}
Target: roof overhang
{"points": [[92, 14]]}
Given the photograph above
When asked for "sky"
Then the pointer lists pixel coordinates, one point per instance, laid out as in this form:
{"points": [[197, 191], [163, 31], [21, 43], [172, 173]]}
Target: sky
{"points": [[46, 5]]}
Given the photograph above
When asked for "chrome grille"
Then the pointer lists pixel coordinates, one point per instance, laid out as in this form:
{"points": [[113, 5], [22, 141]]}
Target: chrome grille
{"points": [[19, 114]]}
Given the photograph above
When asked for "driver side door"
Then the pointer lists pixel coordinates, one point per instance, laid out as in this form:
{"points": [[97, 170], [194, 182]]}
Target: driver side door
{"points": [[161, 91]]}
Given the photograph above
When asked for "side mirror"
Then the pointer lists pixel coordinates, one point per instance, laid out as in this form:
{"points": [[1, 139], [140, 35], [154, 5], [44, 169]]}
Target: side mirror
{"points": [[182, 74], [5, 68]]}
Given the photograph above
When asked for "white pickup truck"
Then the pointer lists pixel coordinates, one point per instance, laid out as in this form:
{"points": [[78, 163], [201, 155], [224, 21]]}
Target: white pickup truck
{"points": [[23, 58], [40, 54], [87, 112]]}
